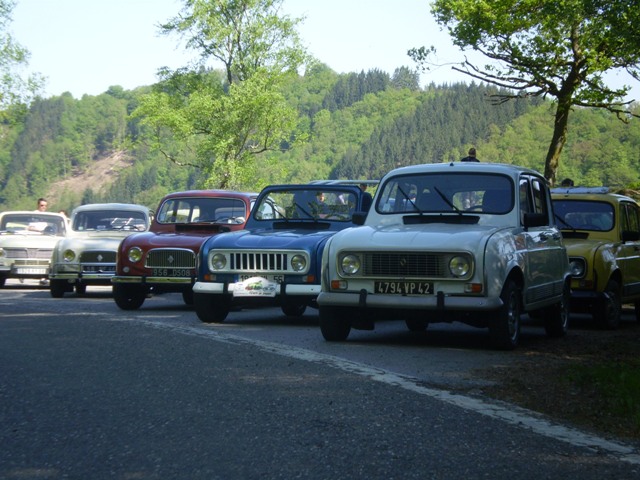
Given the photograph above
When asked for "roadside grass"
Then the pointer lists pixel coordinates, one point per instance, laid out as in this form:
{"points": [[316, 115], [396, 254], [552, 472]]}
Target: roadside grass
{"points": [[590, 379], [617, 386]]}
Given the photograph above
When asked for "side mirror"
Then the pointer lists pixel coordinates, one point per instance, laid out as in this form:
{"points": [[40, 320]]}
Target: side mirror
{"points": [[359, 217], [535, 220]]}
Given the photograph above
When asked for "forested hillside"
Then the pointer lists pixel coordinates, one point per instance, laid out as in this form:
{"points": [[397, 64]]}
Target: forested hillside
{"points": [[356, 125]]}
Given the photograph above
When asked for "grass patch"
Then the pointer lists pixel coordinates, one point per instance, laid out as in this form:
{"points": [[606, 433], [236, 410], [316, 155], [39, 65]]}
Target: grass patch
{"points": [[615, 384]]}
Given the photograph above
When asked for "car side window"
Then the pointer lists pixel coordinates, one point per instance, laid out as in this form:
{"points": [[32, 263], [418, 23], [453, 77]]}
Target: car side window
{"points": [[630, 220]]}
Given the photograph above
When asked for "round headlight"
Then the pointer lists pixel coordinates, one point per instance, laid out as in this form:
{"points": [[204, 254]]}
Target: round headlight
{"points": [[135, 254], [459, 266], [298, 263], [577, 267], [69, 255], [218, 261], [350, 264]]}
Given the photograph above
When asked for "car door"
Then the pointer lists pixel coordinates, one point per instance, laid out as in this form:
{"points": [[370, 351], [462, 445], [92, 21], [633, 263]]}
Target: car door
{"points": [[546, 256], [629, 254]]}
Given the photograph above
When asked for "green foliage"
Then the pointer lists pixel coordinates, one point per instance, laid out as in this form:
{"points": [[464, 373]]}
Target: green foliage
{"points": [[16, 90], [62, 137], [227, 124], [557, 49]]}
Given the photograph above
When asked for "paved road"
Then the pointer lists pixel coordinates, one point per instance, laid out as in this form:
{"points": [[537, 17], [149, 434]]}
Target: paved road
{"points": [[89, 392]]}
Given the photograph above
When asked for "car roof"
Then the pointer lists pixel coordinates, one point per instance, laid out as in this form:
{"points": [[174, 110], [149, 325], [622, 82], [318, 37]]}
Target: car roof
{"points": [[211, 193], [110, 206], [32, 212], [463, 167], [593, 194]]}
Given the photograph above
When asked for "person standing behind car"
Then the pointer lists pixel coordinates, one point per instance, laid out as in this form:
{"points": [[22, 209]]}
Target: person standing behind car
{"points": [[42, 205], [471, 157]]}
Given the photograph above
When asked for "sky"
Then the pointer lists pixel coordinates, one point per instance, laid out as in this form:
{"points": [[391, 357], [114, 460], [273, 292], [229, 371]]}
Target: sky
{"points": [[86, 46]]}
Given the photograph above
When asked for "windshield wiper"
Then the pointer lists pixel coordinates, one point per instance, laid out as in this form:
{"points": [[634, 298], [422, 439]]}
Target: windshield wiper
{"points": [[446, 200]]}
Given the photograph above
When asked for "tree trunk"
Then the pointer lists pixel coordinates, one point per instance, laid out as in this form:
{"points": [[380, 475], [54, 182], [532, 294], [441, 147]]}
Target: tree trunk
{"points": [[559, 139]]}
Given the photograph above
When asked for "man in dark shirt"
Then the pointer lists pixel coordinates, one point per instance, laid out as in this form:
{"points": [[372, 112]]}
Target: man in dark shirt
{"points": [[471, 157]]}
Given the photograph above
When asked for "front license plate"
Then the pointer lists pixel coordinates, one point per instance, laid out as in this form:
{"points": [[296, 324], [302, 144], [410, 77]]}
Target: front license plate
{"points": [[404, 288], [172, 272], [31, 271], [255, 287]]}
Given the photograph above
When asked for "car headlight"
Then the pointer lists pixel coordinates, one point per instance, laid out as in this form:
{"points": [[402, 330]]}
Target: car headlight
{"points": [[134, 254], [69, 255], [350, 264], [217, 261], [577, 267], [298, 263], [459, 266]]}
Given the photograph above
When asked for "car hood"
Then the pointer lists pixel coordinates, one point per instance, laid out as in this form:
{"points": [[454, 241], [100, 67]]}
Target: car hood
{"points": [[102, 243], [433, 236], [579, 247], [167, 240], [28, 241], [256, 239]]}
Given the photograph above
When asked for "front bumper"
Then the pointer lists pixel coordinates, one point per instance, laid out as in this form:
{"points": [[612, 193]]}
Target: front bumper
{"points": [[308, 290], [437, 302], [141, 280]]}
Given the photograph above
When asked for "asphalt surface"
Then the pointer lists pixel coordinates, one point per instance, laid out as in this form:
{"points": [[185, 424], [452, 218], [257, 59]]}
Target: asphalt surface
{"points": [[88, 391]]}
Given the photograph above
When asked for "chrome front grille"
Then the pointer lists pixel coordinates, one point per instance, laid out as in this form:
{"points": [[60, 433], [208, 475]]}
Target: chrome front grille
{"points": [[170, 258], [31, 263], [255, 261], [98, 256], [30, 253], [405, 264]]}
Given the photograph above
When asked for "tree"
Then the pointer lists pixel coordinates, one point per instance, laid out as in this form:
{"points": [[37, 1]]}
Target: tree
{"points": [[558, 49], [16, 90], [228, 119]]}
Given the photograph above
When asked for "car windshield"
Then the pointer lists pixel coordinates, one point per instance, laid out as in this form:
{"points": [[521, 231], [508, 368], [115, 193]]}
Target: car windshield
{"points": [[33, 223], [447, 193], [583, 215], [307, 204], [100, 220], [202, 210]]}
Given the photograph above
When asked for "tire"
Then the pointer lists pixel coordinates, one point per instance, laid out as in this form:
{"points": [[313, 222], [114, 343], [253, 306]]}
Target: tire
{"points": [[81, 288], [504, 327], [335, 323], [294, 309], [608, 311], [57, 288], [556, 320], [129, 297], [211, 308], [416, 324], [187, 297]]}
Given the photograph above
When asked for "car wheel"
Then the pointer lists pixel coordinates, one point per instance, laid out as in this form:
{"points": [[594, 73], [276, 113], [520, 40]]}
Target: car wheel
{"points": [[81, 288], [504, 327], [608, 311], [556, 321], [294, 309], [416, 324], [335, 323], [211, 308], [187, 297], [57, 288], [129, 297]]}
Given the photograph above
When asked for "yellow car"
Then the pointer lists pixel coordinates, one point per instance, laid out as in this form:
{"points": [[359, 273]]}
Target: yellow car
{"points": [[601, 231]]}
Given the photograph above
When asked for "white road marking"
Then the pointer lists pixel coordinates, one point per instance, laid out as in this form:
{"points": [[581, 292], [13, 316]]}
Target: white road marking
{"points": [[508, 413]]}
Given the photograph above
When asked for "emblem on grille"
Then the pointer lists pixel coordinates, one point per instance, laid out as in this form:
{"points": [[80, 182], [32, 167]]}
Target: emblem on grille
{"points": [[170, 259], [100, 257], [403, 262]]}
